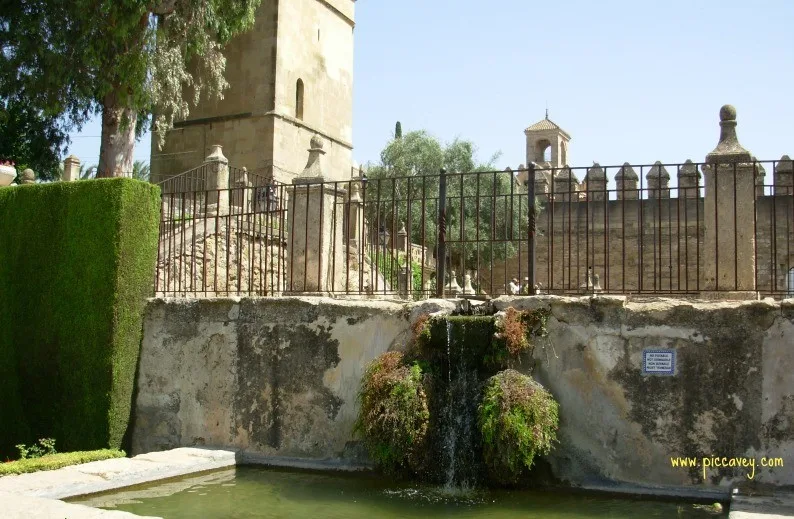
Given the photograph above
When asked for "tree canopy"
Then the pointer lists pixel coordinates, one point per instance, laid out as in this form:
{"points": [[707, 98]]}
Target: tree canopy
{"points": [[483, 205], [30, 138], [124, 59]]}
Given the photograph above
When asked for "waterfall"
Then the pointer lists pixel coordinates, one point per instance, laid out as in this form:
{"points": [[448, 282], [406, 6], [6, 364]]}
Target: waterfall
{"points": [[459, 435]]}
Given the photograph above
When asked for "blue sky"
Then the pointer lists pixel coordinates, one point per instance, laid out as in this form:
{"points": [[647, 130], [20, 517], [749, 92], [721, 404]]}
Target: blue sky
{"points": [[635, 81]]}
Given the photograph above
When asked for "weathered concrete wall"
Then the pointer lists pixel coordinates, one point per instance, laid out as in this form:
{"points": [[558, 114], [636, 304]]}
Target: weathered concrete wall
{"points": [[732, 393], [278, 377], [272, 376]]}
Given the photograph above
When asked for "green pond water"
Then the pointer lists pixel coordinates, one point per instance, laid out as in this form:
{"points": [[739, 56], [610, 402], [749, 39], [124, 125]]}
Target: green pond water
{"points": [[266, 493]]}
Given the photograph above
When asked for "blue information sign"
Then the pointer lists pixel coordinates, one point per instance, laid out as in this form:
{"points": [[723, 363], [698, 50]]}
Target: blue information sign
{"points": [[658, 362]]}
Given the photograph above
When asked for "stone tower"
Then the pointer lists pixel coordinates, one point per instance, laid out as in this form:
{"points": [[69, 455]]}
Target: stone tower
{"points": [[291, 78], [546, 140], [546, 136]]}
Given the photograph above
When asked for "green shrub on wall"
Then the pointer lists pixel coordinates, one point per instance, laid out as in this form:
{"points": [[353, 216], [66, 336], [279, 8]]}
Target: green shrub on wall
{"points": [[394, 416], [76, 265], [518, 420]]}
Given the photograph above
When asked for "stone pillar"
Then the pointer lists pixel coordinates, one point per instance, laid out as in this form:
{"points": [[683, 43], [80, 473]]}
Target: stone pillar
{"points": [[688, 180], [565, 185], [355, 227], [542, 186], [405, 280], [658, 181], [402, 239], [316, 263], [596, 183], [760, 175], [71, 169], [728, 215], [784, 176], [240, 195], [626, 181], [217, 182], [28, 177]]}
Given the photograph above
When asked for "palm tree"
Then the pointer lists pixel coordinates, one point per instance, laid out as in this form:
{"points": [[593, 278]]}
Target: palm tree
{"points": [[140, 171]]}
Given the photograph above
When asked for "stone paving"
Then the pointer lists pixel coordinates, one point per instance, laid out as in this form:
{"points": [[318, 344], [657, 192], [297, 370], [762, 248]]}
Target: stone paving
{"points": [[778, 506], [37, 494]]}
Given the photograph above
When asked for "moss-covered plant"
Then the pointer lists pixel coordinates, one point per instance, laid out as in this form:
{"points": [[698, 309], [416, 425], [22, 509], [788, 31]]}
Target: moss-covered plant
{"points": [[511, 330], [515, 334], [421, 329], [518, 421], [394, 415]]}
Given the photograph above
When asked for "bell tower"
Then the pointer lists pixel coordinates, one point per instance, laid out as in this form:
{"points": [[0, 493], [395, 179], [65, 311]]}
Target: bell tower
{"points": [[547, 144]]}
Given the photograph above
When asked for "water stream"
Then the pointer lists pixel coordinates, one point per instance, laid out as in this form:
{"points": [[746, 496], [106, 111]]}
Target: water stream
{"points": [[459, 434]]}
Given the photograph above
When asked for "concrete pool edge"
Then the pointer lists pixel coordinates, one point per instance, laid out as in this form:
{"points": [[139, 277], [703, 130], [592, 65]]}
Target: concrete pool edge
{"points": [[43, 490]]}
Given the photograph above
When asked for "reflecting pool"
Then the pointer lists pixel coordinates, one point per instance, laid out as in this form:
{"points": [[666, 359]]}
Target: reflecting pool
{"points": [[250, 491]]}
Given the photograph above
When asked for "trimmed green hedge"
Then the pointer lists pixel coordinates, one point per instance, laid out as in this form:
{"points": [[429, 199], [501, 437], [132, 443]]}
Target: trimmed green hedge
{"points": [[57, 461], [77, 262]]}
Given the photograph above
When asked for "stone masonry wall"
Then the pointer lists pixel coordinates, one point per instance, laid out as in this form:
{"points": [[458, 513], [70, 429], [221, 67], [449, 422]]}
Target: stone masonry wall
{"points": [[667, 256], [278, 377]]}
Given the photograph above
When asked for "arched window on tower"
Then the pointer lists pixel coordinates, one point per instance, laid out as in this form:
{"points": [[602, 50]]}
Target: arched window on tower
{"points": [[542, 151], [299, 100]]}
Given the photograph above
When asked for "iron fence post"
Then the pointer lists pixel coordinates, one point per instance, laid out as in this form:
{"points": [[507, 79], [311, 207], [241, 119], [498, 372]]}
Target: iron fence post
{"points": [[531, 230], [441, 259]]}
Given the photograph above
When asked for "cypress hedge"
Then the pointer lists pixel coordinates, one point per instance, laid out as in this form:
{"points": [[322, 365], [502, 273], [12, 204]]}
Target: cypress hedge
{"points": [[77, 263]]}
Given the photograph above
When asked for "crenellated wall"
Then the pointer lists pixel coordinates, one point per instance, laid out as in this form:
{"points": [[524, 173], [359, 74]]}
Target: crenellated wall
{"points": [[653, 244]]}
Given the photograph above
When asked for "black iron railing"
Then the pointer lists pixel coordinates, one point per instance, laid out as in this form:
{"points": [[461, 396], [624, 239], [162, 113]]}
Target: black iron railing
{"points": [[645, 229]]}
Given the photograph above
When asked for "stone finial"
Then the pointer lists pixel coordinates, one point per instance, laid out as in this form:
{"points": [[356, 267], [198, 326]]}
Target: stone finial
{"points": [[596, 182], [402, 238], [785, 165], [626, 183], [728, 149], [688, 180], [658, 171], [242, 179], [760, 169], [627, 173], [453, 286], [71, 169], [565, 183], [216, 155], [522, 176], [688, 169], [314, 167], [658, 181], [566, 174], [596, 172], [28, 177], [467, 288], [784, 176]]}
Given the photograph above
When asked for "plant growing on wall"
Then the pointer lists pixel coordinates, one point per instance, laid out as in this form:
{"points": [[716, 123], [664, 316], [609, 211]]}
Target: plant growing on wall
{"points": [[516, 332], [518, 420], [394, 415]]}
